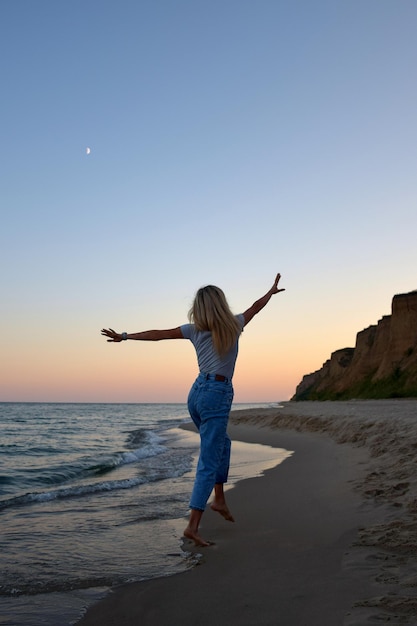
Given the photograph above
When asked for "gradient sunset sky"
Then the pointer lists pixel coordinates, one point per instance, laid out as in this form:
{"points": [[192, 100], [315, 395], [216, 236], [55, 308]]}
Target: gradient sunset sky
{"points": [[229, 140]]}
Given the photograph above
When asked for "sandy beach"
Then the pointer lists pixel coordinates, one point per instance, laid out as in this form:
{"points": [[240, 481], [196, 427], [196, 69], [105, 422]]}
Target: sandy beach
{"points": [[327, 538]]}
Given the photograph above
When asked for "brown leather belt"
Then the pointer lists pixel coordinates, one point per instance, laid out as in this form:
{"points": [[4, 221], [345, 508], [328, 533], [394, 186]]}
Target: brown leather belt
{"points": [[218, 377]]}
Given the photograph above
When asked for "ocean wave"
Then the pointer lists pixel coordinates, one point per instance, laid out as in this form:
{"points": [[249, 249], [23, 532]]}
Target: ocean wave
{"points": [[71, 492], [150, 446], [173, 467]]}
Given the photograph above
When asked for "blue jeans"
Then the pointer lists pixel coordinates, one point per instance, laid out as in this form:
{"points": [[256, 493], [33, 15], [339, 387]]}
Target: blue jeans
{"points": [[209, 403]]}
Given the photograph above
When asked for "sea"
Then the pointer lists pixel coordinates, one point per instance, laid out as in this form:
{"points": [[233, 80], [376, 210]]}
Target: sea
{"points": [[93, 496]]}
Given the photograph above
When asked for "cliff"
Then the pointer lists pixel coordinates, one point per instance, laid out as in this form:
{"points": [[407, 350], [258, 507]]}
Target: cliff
{"points": [[383, 363]]}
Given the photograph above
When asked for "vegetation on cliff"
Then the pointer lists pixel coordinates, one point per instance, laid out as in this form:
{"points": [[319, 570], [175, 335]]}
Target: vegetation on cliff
{"points": [[383, 363]]}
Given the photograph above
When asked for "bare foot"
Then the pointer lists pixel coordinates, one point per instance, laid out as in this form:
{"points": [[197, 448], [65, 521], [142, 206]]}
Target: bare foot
{"points": [[194, 536], [223, 510]]}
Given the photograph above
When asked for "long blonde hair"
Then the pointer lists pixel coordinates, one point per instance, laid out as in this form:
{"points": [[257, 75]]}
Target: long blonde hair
{"points": [[210, 311]]}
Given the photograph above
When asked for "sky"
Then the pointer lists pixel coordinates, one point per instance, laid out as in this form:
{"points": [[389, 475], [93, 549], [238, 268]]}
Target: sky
{"points": [[228, 140]]}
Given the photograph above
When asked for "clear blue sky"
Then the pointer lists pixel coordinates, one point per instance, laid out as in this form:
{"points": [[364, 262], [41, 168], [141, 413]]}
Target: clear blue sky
{"points": [[229, 140]]}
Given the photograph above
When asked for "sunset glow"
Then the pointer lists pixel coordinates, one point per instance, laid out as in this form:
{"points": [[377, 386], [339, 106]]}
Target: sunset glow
{"points": [[289, 146]]}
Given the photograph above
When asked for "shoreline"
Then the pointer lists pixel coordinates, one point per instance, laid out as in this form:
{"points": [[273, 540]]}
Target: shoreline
{"points": [[313, 540]]}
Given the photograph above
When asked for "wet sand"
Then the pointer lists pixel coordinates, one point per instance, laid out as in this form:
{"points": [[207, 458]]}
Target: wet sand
{"points": [[327, 538]]}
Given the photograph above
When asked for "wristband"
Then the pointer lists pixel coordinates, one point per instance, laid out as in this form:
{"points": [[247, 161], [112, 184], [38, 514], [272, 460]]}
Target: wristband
{"points": [[124, 336]]}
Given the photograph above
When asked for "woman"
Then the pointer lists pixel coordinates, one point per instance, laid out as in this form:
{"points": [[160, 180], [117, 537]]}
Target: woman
{"points": [[214, 332]]}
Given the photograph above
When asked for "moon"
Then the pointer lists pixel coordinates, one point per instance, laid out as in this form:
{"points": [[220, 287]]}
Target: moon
{"points": [[87, 150]]}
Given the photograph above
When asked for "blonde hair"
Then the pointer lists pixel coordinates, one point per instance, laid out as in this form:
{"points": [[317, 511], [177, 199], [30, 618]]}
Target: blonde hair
{"points": [[210, 311]]}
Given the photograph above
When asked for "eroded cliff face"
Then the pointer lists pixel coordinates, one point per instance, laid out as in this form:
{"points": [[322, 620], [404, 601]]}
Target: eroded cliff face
{"points": [[382, 364]]}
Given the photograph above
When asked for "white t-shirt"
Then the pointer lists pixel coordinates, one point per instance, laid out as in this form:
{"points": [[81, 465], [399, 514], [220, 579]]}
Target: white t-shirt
{"points": [[209, 361]]}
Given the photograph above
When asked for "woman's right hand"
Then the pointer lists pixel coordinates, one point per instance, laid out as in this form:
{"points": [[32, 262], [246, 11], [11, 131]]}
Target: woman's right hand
{"points": [[274, 288]]}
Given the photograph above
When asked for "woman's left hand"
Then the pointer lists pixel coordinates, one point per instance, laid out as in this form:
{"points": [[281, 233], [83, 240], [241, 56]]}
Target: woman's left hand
{"points": [[113, 336]]}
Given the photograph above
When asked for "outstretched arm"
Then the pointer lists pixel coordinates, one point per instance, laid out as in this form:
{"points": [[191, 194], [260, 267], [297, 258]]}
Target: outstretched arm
{"points": [[259, 304], [146, 335]]}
